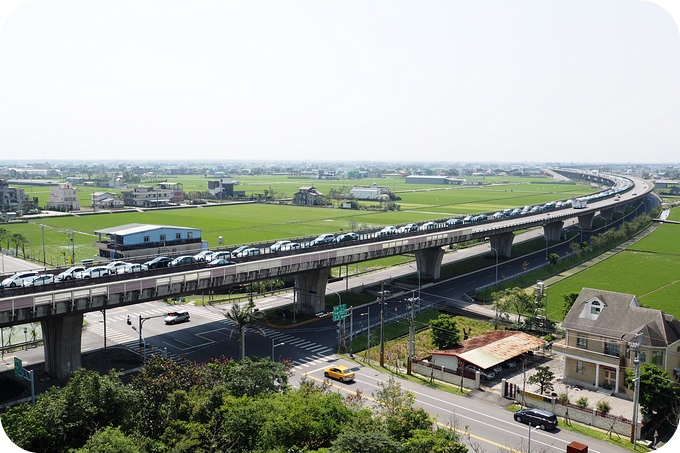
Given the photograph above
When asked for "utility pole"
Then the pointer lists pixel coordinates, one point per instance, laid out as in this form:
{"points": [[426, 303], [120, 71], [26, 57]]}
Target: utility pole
{"points": [[410, 338], [382, 324]]}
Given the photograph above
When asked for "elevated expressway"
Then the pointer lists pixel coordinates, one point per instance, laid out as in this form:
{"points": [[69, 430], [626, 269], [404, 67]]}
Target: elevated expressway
{"points": [[60, 311]]}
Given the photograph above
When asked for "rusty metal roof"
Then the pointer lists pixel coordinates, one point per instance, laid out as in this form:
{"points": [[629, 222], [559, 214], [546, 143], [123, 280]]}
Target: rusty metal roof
{"points": [[493, 347]]}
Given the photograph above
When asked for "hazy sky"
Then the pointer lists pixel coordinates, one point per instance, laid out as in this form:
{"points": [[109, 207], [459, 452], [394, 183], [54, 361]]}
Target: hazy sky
{"points": [[473, 80]]}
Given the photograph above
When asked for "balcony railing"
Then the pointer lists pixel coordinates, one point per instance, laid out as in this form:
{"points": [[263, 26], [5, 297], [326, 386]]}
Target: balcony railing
{"points": [[587, 355]]}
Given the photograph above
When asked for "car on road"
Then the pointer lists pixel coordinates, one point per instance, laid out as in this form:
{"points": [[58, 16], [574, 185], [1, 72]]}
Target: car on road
{"points": [[69, 274], [158, 262], [18, 279], [248, 251], [387, 231], [347, 237], [224, 254], [340, 372], [177, 316], [132, 268], [220, 262], [323, 239], [113, 266], [537, 417], [454, 221], [408, 228], [284, 246], [428, 226], [204, 256], [93, 272], [183, 260], [38, 280]]}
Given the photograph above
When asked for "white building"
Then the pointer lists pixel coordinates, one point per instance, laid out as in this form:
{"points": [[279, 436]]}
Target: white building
{"points": [[64, 197], [369, 193], [106, 200]]}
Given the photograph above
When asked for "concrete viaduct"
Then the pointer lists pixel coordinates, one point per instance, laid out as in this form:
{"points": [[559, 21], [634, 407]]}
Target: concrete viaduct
{"points": [[60, 311]]}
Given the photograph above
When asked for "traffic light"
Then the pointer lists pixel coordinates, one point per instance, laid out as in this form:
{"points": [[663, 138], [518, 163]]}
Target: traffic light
{"points": [[129, 322]]}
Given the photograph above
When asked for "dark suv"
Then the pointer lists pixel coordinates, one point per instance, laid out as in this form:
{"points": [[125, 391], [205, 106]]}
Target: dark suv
{"points": [[537, 417]]}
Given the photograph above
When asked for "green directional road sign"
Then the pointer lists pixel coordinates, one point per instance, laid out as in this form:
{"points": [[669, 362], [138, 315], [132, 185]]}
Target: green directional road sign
{"points": [[339, 312], [18, 368]]}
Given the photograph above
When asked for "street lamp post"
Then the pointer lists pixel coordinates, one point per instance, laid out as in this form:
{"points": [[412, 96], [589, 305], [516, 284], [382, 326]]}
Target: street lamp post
{"points": [[273, 346], [351, 331], [419, 285], [340, 330], [496, 251]]}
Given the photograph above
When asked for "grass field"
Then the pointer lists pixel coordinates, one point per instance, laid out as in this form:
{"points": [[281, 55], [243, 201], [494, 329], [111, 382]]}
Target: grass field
{"points": [[250, 223]]}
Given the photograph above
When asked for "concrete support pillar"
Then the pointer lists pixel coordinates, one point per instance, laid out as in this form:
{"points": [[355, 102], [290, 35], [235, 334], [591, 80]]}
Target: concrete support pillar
{"points": [[311, 290], [61, 339], [586, 221], [553, 230], [502, 243], [607, 214], [429, 263]]}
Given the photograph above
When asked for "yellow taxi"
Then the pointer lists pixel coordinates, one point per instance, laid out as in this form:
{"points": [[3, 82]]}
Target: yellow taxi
{"points": [[341, 373]]}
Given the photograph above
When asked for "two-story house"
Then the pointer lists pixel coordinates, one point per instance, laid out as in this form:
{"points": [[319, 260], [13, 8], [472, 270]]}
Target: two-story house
{"points": [[602, 332]]}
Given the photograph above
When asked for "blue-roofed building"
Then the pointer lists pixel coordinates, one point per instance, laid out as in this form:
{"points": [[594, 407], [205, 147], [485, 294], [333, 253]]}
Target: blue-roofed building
{"points": [[136, 240]]}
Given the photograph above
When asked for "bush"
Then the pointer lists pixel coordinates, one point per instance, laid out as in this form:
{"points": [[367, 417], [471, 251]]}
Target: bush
{"points": [[603, 407], [582, 402], [563, 398]]}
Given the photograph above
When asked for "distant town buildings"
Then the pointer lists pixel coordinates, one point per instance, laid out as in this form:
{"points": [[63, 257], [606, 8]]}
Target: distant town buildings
{"points": [[64, 197], [417, 179]]}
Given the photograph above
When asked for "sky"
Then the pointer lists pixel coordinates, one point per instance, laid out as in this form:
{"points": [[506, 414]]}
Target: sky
{"points": [[438, 80]]}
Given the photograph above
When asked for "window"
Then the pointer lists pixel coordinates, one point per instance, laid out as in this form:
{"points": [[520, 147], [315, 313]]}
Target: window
{"points": [[581, 342], [178, 235], [190, 235], [657, 358], [147, 239], [580, 367], [611, 348], [595, 308], [162, 237], [643, 357]]}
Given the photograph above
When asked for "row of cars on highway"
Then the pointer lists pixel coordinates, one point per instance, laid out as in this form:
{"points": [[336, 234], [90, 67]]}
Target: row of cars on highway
{"points": [[225, 257]]}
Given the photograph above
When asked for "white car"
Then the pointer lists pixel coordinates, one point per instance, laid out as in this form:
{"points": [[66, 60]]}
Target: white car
{"points": [[38, 280], [204, 256], [428, 226], [284, 246], [177, 316], [387, 231], [113, 266], [131, 268], [248, 251], [323, 239], [93, 272], [69, 274], [18, 279]]}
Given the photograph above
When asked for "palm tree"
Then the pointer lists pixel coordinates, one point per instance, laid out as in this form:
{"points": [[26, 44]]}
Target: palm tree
{"points": [[244, 316]]}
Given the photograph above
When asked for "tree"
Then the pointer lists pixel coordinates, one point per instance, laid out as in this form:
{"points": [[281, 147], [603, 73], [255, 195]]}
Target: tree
{"points": [[553, 258], [243, 316], [18, 240], [569, 299], [543, 378], [514, 299], [444, 332], [4, 236], [658, 393], [110, 440]]}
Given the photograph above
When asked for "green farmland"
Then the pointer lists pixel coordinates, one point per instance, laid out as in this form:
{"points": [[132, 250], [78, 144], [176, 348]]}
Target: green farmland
{"points": [[648, 269]]}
